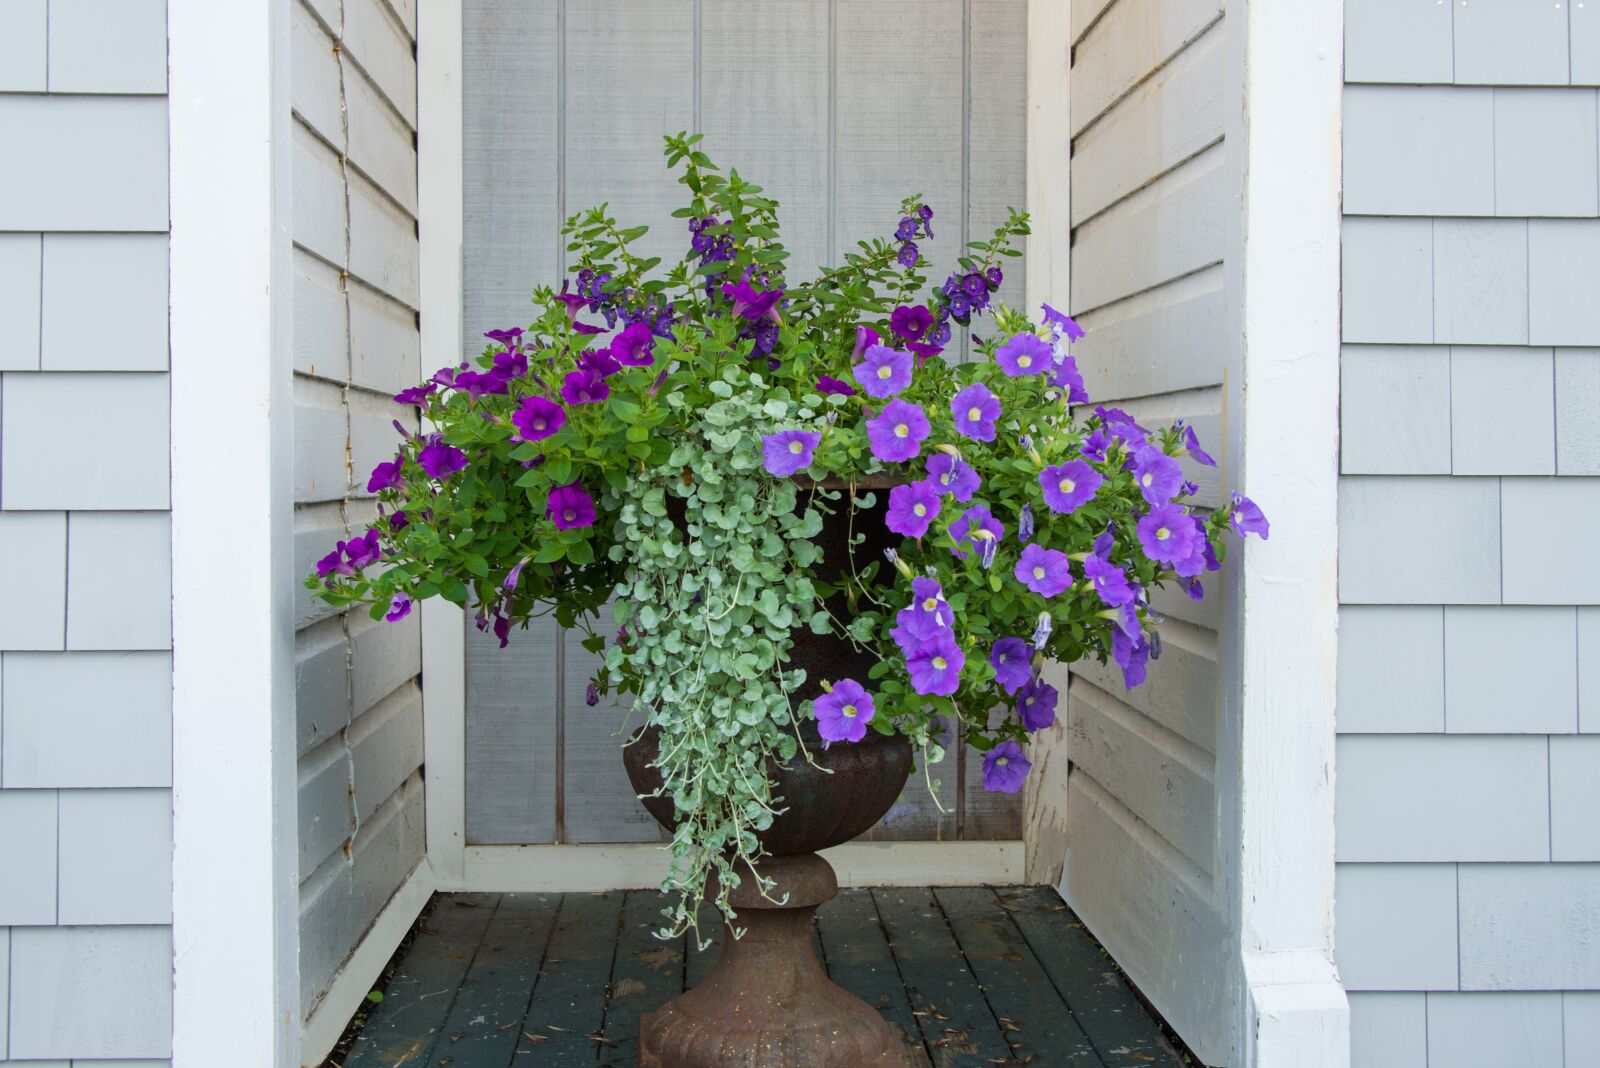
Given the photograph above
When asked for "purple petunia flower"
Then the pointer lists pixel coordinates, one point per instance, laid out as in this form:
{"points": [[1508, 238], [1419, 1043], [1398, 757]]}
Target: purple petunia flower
{"points": [[512, 363], [1108, 580], [1168, 534], [1131, 655], [591, 695], [481, 383], [788, 451], [975, 527], [928, 615], [1191, 441], [538, 418], [950, 474], [599, 362], [387, 475], [584, 387], [897, 432], [1011, 663], [866, 337], [364, 550], [911, 321], [923, 351], [1095, 445], [906, 230], [883, 371], [827, 384], [1004, 768], [1044, 571], [1069, 486], [633, 346], [445, 376], [1024, 354], [1062, 324], [507, 338], [1247, 518], [399, 608], [570, 507], [1158, 475], [440, 460], [935, 666], [1025, 523], [974, 285], [908, 254], [1036, 705], [975, 410], [1067, 376], [398, 521], [912, 507], [843, 714], [417, 395], [502, 629], [333, 563], [752, 303]]}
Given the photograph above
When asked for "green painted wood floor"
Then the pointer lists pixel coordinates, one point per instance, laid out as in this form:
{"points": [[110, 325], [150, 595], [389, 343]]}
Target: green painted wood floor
{"points": [[977, 976]]}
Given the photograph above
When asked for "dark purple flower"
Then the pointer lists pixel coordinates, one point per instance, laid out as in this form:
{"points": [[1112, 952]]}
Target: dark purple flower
{"points": [[912, 506], [599, 362], [975, 527], [399, 608], [1191, 441], [508, 338], [417, 395], [1247, 518], [949, 474], [591, 695], [906, 230], [994, 276], [445, 376], [883, 371], [398, 521], [1063, 324], [538, 418], [1069, 486], [364, 550], [752, 303], [1122, 427], [911, 321], [1067, 376], [788, 451], [633, 346], [570, 507], [1131, 655], [1011, 663], [514, 574], [513, 363], [502, 629], [1108, 580], [1168, 534], [481, 383], [1036, 704], [1024, 354], [440, 460], [1044, 571], [844, 712], [896, 434], [1004, 768], [908, 254], [974, 286], [1158, 475], [387, 475], [866, 337], [975, 410], [923, 351], [935, 666], [1094, 446], [584, 387], [829, 385], [334, 562]]}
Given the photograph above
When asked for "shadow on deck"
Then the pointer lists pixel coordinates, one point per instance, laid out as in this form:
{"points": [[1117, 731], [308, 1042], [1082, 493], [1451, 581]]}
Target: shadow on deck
{"points": [[975, 975]]}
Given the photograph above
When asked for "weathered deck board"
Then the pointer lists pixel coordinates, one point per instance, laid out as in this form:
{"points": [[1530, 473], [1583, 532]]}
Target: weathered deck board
{"points": [[973, 976]]}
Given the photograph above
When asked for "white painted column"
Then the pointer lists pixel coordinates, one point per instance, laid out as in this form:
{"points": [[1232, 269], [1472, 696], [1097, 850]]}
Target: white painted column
{"points": [[1284, 141], [235, 911]]}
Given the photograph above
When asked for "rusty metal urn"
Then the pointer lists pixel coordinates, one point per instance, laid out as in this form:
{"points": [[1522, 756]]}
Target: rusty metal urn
{"points": [[767, 1003]]}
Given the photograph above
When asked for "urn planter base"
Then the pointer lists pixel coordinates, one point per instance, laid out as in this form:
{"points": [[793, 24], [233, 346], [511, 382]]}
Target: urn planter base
{"points": [[767, 1003]]}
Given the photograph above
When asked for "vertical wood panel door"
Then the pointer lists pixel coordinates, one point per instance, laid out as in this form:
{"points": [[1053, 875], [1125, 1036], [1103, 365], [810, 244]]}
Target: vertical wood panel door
{"points": [[839, 108]]}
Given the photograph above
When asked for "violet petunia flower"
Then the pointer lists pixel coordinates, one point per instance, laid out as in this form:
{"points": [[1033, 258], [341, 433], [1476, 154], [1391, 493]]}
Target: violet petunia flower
{"points": [[334, 563], [896, 434], [633, 346], [1108, 580], [844, 712], [440, 460], [935, 666], [599, 362], [1041, 632], [931, 614], [912, 506], [417, 395], [1158, 475], [502, 629], [591, 695], [866, 337], [398, 521], [508, 338], [570, 507], [1005, 768], [828, 385], [1191, 441], [387, 475], [952, 475], [975, 410], [911, 321], [883, 371], [1131, 655], [1036, 705], [1247, 518], [399, 608], [752, 303], [364, 550], [512, 363], [1024, 354], [481, 383], [1044, 571], [1062, 324], [538, 418], [1069, 486], [1067, 376], [1095, 445], [1168, 534], [975, 527], [584, 387], [788, 451], [1011, 663], [923, 351]]}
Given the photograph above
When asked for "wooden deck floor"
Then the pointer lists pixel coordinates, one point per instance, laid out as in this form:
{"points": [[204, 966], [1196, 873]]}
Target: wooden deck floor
{"points": [[976, 976]]}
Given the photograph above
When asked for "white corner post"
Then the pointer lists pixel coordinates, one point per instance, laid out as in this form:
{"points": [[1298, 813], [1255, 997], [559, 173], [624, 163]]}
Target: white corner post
{"points": [[439, 191], [1284, 159], [235, 883]]}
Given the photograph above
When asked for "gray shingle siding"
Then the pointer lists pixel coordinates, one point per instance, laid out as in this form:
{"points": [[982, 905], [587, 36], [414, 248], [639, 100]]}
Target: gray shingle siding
{"points": [[1469, 672], [85, 596]]}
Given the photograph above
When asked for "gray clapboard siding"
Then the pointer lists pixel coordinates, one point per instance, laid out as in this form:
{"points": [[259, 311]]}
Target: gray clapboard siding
{"points": [[48, 183], [23, 58], [996, 123], [1388, 1030], [94, 279], [115, 455], [320, 218], [1419, 151], [1563, 255], [1179, 697], [1134, 38], [20, 296], [1494, 387], [1510, 42], [1544, 152], [1480, 281], [1419, 540], [314, 74], [115, 857], [385, 348], [1585, 28], [35, 596], [111, 605], [1543, 520], [1395, 412], [1494, 1030], [28, 821], [382, 44], [1391, 669], [1484, 698], [380, 140], [53, 701], [1387, 280], [108, 46], [321, 330], [1398, 41], [1577, 383], [1574, 798], [1580, 1024], [1170, 338], [383, 242], [512, 696], [1384, 905], [91, 993]]}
